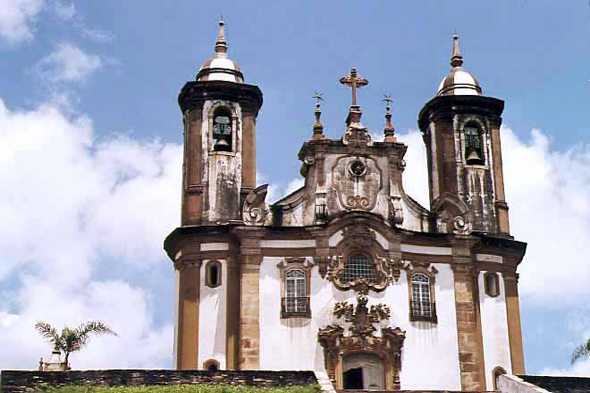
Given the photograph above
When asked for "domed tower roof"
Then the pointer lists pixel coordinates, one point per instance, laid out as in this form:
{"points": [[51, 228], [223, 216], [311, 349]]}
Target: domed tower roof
{"points": [[220, 68], [459, 81]]}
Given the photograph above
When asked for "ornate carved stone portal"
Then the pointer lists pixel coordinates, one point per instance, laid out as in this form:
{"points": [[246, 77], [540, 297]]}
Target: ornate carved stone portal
{"points": [[361, 338]]}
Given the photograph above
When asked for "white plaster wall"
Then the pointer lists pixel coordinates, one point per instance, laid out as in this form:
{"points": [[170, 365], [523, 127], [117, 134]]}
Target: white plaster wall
{"points": [[287, 243], [412, 221], [291, 344], [426, 249], [494, 324], [430, 357], [214, 246], [212, 318]]}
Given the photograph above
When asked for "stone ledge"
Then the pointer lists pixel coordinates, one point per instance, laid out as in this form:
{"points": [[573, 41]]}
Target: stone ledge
{"points": [[21, 381]]}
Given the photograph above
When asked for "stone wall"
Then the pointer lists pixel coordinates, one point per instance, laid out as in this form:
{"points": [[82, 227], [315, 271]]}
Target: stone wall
{"points": [[22, 381]]}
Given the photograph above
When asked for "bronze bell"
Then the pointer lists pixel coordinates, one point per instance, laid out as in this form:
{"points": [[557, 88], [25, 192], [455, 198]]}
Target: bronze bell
{"points": [[222, 144], [473, 158]]}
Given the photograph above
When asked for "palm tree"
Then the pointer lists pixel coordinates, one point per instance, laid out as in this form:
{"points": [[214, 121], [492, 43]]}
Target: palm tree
{"points": [[71, 340], [581, 351]]}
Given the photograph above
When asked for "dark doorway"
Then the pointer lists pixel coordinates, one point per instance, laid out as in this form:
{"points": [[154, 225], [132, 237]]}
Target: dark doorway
{"points": [[353, 378]]}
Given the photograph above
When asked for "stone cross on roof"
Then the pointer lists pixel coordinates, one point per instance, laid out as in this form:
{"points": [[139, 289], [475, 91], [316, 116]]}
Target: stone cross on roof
{"points": [[354, 81]]}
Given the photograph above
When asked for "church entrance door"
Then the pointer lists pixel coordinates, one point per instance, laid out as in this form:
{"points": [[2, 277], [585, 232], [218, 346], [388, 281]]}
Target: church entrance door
{"points": [[363, 371]]}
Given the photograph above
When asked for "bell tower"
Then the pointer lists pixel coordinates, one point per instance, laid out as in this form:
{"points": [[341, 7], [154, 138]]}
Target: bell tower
{"points": [[219, 114], [219, 171], [461, 130]]}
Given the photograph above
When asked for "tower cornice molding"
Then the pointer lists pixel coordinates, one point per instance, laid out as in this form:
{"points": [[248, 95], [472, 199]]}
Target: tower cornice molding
{"points": [[457, 105], [194, 94]]}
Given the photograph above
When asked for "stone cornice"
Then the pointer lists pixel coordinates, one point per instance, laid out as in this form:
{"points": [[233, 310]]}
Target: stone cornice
{"points": [[448, 106], [194, 94]]}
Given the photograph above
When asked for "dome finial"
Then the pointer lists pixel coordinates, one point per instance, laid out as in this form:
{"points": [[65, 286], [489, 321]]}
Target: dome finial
{"points": [[456, 59], [221, 44]]}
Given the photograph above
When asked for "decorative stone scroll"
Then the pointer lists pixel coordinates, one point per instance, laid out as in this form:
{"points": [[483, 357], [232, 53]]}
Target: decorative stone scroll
{"points": [[361, 339], [255, 210], [356, 182], [359, 239], [452, 215], [396, 211]]}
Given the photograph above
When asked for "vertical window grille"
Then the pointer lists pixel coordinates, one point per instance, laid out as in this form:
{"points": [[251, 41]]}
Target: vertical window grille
{"points": [[296, 292], [473, 145], [421, 303], [358, 266]]}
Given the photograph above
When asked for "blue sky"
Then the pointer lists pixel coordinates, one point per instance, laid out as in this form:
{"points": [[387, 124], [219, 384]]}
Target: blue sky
{"points": [[90, 136]]}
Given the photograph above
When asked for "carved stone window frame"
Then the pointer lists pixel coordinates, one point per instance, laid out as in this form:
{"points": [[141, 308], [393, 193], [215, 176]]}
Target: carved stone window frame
{"points": [[211, 362], [285, 266], [219, 279], [426, 268], [491, 284], [358, 239], [234, 128]]}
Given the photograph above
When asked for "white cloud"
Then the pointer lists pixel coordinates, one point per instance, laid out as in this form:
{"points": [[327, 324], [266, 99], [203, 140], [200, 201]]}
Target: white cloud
{"points": [[68, 63], [415, 178], [64, 11], [101, 36], [579, 369], [294, 185], [548, 192], [17, 19], [77, 211]]}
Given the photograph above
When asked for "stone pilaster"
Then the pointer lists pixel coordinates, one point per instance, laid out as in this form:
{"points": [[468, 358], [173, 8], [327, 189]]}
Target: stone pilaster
{"points": [[513, 317], [250, 258], [192, 196], [500, 203], [232, 328], [470, 339], [187, 346]]}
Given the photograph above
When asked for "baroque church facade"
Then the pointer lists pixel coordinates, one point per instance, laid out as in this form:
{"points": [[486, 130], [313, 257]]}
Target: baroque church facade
{"points": [[348, 276]]}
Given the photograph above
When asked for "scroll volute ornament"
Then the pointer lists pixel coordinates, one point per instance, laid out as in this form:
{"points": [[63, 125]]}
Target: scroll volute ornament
{"points": [[255, 210]]}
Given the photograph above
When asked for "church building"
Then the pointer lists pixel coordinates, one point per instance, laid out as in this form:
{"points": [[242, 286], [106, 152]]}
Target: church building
{"points": [[348, 275]]}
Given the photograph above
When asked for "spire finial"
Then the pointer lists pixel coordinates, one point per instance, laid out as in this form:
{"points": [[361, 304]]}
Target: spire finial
{"points": [[221, 44], [318, 127], [389, 131], [456, 59]]}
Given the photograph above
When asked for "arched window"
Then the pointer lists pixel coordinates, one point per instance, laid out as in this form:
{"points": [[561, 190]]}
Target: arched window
{"points": [[296, 292], [213, 274], [222, 130], [357, 266], [473, 144], [491, 284], [422, 307]]}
